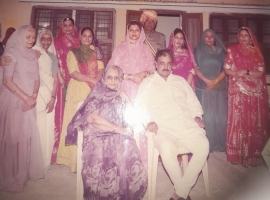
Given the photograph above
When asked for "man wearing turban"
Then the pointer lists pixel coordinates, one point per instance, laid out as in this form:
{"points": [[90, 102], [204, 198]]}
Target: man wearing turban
{"points": [[149, 22]]}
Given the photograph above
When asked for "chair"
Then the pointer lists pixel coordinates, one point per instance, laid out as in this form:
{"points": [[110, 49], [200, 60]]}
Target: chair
{"points": [[79, 195], [153, 164]]}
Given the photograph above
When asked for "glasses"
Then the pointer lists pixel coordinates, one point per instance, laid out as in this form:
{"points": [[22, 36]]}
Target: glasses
{"points": [[46, 39]]}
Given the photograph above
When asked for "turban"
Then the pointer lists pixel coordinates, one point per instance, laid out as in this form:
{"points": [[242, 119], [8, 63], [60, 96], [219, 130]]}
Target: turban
{"points": [[150, 15]]}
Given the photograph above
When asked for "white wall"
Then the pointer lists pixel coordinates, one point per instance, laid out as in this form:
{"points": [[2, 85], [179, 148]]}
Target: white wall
{"points": [[166, 25]]}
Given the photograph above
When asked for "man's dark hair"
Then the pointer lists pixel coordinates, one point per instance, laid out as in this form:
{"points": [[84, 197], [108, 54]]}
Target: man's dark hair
{"points": [[164, 52]]}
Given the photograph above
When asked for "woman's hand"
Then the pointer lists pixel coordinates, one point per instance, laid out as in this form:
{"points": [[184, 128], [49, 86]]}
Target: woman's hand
{"points": [[199, 122], [241, 73], [38, 53], [152, 127], [138, 77], [209, 84], [5, 60], [50, 105], [30, 103]]}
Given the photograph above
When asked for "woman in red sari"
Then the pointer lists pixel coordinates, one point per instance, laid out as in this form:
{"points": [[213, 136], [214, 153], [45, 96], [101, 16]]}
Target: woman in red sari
{"points": [[247, 100], [67, 39], [183, 64]]}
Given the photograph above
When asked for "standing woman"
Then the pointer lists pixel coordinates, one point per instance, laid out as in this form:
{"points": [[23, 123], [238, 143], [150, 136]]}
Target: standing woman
{"points": [[248, 101], [67, 39], [134, 58], [85, 70], [211, 88], [48, 69], [183, 64], [20, 149]]}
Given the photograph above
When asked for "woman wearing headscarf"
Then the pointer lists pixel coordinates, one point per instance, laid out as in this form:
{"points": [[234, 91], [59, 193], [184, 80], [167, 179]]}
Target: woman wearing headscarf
{"points": [[67, 39], [183, 64], [112, 167], [134, 58], [211, 88], [20, 148], [248, 114], [85, 69], [137, 62], [48, 69]]}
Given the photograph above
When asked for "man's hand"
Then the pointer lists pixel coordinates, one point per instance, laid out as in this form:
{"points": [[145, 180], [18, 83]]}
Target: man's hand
{"points": [[199, 122], [152, 127]]}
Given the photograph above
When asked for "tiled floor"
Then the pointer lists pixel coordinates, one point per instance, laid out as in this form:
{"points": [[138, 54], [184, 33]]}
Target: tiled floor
{"points": [[227, 182]]}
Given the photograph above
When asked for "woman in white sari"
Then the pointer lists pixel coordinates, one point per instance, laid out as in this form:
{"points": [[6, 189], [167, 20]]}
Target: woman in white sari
{"points": [[48, 69]]}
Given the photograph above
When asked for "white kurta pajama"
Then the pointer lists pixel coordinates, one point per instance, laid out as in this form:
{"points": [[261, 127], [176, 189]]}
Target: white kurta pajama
{"points": [[173, 105]]}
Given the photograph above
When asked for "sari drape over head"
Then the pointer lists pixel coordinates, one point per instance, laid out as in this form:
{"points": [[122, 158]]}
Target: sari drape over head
{"points": [[63, 44], [214, 102], [20, 149], [47, 61], [132, 59], [184, 62], [112, 167], [247, 131]]}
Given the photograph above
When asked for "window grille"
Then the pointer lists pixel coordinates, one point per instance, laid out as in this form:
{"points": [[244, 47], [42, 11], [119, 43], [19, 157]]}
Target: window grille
{"points": [[226, 26], [102, 23]]}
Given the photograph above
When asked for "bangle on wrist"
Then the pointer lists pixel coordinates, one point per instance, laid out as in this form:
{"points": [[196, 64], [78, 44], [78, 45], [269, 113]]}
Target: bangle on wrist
{"points": [[247, 72]]}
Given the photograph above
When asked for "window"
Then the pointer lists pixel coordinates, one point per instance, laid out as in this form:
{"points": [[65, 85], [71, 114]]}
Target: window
{"points": [[226, 26], [101, 21]]}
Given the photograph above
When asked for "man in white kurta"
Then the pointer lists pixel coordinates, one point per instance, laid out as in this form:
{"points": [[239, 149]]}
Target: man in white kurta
{"points": [[175, 115]]}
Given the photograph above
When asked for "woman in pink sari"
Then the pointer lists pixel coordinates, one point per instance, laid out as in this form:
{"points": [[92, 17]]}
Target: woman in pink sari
{"points": [[134, 58], [247, 100], [67, 39], [183, 64], [137, 62], [20, 148]]}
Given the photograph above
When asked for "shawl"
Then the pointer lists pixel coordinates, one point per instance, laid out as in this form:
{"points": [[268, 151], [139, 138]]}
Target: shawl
{"points": [[183, 62], [45, 65], [99, 96], [210, 62], [132, 59], [63, 44]]}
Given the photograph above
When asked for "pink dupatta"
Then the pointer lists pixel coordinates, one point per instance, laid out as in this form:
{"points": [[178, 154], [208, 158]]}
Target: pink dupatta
{"points": [[132, 59]]}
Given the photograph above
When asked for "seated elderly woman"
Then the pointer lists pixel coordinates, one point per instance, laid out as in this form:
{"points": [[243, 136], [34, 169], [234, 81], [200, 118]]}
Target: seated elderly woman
{"points": [[112, 167]]}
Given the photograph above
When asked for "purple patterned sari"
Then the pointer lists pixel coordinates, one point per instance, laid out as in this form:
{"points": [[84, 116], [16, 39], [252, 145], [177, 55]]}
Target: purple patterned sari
{"points": [[112, 167]]}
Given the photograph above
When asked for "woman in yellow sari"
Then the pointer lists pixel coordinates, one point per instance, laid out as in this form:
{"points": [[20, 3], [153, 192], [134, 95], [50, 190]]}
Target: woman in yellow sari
{"points": [[85, 67]]}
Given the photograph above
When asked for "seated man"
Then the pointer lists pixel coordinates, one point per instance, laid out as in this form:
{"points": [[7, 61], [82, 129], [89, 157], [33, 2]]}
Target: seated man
{"points": [[175, 116], [149, 22]]}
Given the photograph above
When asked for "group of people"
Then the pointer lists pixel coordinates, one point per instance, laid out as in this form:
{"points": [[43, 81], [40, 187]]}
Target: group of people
{"points": [[212, 99]]}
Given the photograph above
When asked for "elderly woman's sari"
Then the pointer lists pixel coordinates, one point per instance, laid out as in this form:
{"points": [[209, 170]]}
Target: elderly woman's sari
{"points": [[20, 149], [112, 167], [47, 67], [247, 131]]}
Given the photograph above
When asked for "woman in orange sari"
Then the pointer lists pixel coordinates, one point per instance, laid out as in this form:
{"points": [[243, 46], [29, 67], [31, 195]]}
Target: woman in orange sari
{"points": [[247, 100], [85, 67]]}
